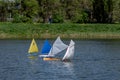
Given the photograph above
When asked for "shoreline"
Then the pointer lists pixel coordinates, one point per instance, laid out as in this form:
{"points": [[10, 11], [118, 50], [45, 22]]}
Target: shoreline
{"points": [[65, 31], [84, 36]]}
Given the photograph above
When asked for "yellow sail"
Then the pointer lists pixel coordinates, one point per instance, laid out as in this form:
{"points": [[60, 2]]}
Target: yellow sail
{"points": [[33, 47]]}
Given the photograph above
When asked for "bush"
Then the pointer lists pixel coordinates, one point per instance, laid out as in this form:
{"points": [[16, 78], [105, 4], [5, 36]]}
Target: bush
{"points": [[26, 19], [58, 18], [17, 18], [80, 17]]}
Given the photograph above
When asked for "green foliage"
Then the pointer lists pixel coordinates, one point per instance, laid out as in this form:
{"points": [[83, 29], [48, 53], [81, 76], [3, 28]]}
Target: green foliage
{"points": [[76, 11], [26, 19], [17, 18], [30, 10], [58, 18], [80, 18], [23, 30], [31, 7], [116, 11]]}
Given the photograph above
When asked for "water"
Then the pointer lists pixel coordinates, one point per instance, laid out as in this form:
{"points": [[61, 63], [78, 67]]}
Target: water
{"points": [[93, 60]]}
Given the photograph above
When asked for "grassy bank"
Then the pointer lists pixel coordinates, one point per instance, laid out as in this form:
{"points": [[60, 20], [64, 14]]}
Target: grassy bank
{"points": [[74, 31]]}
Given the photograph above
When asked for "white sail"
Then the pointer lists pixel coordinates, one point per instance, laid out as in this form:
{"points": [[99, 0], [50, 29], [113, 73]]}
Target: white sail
{"points": [[57, 47], [70, 51]]}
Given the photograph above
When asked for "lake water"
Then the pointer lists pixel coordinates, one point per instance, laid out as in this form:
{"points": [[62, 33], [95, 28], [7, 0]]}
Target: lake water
{"points": [[93, 60]]}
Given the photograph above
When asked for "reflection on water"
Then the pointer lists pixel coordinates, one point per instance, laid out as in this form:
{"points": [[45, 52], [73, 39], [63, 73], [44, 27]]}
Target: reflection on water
{"points": [[93, 60], [69, 70], [59, 70], [33, 57], [68, 65]]}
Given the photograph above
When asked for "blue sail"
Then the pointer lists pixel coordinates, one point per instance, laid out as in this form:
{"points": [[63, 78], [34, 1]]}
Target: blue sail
{"points": [[46, 47]]}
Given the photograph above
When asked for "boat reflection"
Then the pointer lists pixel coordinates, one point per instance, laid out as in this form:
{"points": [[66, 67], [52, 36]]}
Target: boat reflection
{"points": [[33, 57], [33, 60], [68, 65]]}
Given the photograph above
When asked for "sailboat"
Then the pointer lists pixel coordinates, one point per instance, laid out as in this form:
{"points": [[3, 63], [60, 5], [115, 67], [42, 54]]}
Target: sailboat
{"points": [[45, 49], [57, 47], [70, 51], [33, 47]]}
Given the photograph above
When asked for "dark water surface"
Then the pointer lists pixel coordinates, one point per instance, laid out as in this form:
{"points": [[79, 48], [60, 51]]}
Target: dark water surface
{"points": [[93, 60]]}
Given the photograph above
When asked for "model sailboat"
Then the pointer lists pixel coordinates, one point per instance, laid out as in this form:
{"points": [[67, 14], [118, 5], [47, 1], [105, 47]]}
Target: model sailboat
{"points": [[57, 47], [45, 49], [33, 47], [70, 51]]}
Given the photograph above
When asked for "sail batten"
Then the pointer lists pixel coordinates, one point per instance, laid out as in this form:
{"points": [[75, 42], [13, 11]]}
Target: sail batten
{"points": [[33, 47]]}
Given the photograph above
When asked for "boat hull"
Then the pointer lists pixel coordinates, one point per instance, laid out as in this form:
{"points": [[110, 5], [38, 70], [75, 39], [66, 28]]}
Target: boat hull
{"points": [[50, 59], [66, 60]]}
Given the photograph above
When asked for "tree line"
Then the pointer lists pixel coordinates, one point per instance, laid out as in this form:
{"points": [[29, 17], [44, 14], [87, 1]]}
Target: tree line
{"points": [[59, 11]]}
